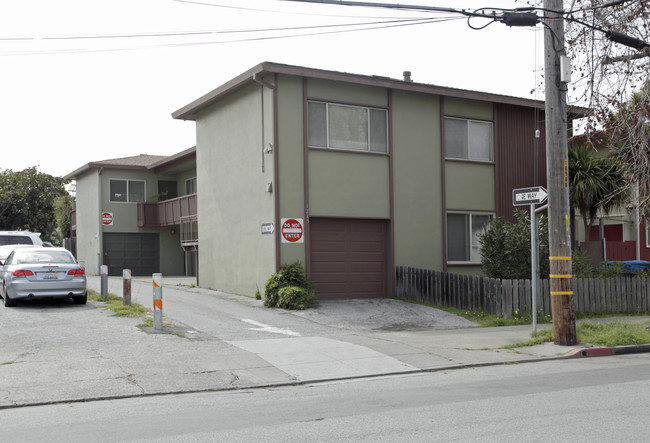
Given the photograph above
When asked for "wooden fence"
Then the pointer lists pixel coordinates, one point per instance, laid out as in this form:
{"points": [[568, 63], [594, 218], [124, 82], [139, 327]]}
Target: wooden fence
{"points": [[504, 297]]}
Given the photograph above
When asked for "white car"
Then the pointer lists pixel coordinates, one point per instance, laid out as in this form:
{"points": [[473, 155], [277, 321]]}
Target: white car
{"points": [[20, 238], [38, 272]]}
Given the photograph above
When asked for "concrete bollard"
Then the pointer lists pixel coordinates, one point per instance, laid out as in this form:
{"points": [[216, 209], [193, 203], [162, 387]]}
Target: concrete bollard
{"points": [[126, 287], [103, 283], [157, 302]]}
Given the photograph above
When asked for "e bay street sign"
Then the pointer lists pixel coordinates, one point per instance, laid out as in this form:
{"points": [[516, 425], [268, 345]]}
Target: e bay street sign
{"points": [[529, 196]]}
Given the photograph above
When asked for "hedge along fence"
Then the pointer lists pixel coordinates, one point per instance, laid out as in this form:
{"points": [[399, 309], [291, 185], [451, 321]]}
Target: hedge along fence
{"points": [[504, 297]]}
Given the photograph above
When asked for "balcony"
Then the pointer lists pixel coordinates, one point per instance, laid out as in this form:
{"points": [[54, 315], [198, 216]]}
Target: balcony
{"points": [[168, 212]]}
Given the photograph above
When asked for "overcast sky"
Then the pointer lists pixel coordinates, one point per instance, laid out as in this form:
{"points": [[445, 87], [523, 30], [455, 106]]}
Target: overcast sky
{"points": [[88, 80]]}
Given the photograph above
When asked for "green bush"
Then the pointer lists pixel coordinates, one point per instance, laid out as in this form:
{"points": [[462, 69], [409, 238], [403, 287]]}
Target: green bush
{"points": [[295, 297], [581, 265], [289, 275], [505, 248], [616, 269]]}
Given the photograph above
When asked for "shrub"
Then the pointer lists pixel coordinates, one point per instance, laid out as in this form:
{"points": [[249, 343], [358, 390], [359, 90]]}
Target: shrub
{"points": [[581, 265], [295, 297], [289, 275], [505, 248]]}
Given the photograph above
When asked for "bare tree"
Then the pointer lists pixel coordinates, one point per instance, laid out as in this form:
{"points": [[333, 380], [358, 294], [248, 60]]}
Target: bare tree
{"points": [[611, 56]]}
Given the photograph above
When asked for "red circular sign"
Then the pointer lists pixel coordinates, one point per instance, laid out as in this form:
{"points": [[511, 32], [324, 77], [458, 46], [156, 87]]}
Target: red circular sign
{"points": [[107, 218], [292, 230]]}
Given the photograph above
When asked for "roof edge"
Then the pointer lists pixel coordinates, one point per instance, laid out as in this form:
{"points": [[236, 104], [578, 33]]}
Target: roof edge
{"points": [[190, 111]]}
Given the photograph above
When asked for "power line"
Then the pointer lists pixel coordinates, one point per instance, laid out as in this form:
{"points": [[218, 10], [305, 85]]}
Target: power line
{"points": [[379, 25]]}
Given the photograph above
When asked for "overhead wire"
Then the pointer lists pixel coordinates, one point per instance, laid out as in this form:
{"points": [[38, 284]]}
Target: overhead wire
{"points": [[364, 27]]}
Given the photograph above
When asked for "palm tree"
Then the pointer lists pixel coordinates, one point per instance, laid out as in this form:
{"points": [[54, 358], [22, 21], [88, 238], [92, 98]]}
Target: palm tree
{"points": [[596, 183]]}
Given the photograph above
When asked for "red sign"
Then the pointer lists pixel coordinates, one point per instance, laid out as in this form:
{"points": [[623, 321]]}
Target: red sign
{"points": [[292, 230], [107, 218]]}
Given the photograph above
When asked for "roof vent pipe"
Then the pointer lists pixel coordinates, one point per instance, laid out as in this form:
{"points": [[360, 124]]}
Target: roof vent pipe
{"points": [[407, 76]]}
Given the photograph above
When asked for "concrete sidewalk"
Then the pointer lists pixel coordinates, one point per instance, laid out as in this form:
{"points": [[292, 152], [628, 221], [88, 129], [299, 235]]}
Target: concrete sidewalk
{"points": [[59, 352]]}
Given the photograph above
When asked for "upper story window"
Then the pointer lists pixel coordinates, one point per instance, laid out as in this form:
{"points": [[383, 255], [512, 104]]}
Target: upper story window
{"points": [[468, 139], [130, 191], [190, 186], [353, 128], [463, 233]]}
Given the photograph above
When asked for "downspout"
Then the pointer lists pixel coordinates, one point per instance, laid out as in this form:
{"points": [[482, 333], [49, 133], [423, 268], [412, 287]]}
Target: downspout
{"points": [[100, 230], [391, 197], [276, 174], [305, 180]]}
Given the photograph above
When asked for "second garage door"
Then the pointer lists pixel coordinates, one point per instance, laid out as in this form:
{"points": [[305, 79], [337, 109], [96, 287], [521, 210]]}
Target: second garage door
{"points": [[138, 252], [348, 258]]}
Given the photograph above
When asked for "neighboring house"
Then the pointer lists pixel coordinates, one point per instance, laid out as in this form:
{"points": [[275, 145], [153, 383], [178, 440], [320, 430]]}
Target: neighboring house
{"points": [[623, 234], [353, 175], [137, 213]]}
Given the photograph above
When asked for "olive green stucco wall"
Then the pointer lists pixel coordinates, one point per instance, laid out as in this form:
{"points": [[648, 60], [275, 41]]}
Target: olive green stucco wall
{"points": [[291, 159], [469, 186], [233, 202], [417, 183], [348, 184], [88, 210]]}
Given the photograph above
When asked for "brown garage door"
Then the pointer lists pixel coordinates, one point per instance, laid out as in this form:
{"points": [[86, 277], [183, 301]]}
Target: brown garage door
{"points": [[348, 258]]}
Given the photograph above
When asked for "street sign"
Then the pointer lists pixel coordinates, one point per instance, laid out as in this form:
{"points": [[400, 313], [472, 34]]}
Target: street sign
{"points": [[268, 228], [107, 218], [529, 196], [292, 230]]}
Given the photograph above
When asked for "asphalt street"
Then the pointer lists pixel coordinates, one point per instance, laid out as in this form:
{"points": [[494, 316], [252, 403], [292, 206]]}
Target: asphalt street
{"points": [[55, 351]]}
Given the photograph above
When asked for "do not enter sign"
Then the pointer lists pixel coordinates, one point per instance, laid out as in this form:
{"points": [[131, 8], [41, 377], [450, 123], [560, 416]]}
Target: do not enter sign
{"points": [[107, 218], [292, 230]]}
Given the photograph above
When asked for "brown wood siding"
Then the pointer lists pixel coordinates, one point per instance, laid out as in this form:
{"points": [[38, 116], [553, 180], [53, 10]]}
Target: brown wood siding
{"points": [[348, 258], [515, 154]]}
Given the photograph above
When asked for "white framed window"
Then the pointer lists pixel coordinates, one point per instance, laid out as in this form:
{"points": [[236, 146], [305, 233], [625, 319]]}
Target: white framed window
{"points": [[463, 232], [647, 234], [354, 128], [469, 139], [127, 191], [190, 186]]}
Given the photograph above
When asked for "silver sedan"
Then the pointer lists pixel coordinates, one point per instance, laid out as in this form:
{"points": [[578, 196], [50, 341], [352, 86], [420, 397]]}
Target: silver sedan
{"points": [[42, 272]]}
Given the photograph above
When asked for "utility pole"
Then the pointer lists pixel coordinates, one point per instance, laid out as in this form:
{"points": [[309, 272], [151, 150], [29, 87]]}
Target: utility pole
{"points": [[557, 175]]}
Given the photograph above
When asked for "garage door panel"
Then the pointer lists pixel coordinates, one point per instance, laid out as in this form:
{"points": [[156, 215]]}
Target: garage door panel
{"points": [[329, 256], [324, 246], [329, 268], [348, 258], [367, 247], [135, 251]]}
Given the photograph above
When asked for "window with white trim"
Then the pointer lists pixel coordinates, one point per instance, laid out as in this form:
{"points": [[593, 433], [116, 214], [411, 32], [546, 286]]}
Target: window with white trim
{"points": [[354, 128], [647, 234], [190, 186], [128, 191], [463, 232], [468, 139]]}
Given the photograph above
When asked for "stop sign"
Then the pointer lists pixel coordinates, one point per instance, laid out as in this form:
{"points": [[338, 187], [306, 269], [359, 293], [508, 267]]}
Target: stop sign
{"points": [[292, 230]]}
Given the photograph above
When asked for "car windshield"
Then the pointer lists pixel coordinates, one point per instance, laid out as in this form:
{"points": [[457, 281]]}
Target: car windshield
{"points": [[15, 240], [42, 256]]}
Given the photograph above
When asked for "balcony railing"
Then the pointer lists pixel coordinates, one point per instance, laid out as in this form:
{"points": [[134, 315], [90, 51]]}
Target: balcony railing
{"points": [[168, 212]]}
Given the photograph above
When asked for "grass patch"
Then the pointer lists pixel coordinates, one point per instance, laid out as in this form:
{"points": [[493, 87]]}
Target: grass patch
{"points": [[613, 333], [610, 334], [116, 304], [8, 363], [488, 320]]}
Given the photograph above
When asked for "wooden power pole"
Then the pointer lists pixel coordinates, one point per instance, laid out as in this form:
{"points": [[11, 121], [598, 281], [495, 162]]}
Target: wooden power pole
{"points": [[557, 174]]}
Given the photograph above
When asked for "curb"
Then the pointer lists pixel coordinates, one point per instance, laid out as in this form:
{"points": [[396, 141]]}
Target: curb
{"points": [[604, 350]]}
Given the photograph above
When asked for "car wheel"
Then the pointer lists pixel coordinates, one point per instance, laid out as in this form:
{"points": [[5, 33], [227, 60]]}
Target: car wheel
{"points": [[8, 302], [80, 300]]}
